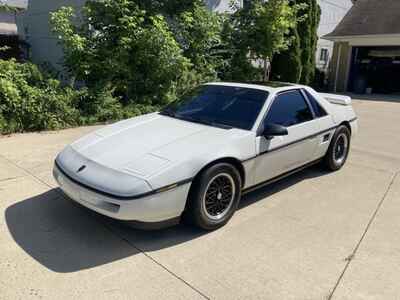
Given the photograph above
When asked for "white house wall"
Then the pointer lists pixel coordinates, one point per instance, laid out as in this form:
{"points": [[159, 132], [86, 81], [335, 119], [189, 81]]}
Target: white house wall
{"points": [[7, 23], [332, 12], [34, 27], [220, 5]]}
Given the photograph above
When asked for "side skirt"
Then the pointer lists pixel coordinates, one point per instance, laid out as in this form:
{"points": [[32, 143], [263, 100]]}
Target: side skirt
{"points": [[279, 177]]}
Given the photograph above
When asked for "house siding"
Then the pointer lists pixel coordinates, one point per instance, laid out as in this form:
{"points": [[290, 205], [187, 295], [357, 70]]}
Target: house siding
{"points": [[34, 27], [7, 23], [332, 12]]}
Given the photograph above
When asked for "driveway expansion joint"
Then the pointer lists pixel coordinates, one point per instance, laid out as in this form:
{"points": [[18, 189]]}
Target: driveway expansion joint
{"points": [[351, 257], [27, 172], [9, 178], [393, 172], [113, 232], [156, 262]]}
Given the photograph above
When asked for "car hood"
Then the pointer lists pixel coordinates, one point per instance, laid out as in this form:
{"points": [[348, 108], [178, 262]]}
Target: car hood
{"points": [[144, 145], [130, 157]]}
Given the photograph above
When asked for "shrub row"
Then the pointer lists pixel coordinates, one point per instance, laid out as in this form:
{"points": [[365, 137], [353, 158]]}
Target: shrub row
{"points": [[30, 100]]}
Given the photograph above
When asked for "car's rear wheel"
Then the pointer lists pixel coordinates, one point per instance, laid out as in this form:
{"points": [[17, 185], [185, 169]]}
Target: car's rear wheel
{"points": [[214, 196], [338, 150]]}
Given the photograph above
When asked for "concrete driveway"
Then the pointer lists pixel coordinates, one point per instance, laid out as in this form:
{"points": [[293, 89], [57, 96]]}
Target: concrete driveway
{"points": [[315, 235]]}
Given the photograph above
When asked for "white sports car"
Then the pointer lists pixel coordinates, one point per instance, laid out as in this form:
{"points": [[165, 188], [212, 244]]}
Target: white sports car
{"points": [[198, 156]]}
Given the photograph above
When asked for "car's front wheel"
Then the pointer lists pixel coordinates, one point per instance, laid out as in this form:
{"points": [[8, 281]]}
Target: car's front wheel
{"points": [[214, 196], [338, 150]]}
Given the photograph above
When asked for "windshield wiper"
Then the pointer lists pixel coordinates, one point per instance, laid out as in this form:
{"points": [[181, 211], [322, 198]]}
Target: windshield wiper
{"points": [[220, 125], [168, 112], [205, 122], [172, 114]]}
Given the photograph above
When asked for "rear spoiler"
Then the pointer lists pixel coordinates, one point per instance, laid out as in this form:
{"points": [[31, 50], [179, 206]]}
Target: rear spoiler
{"points": [[337, 99]]}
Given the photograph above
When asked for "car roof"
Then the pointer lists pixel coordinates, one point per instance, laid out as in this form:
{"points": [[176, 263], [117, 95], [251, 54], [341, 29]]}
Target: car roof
{"points": [[270, 86]]}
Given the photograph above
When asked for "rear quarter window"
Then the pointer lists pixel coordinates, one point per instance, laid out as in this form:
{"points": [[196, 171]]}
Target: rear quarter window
{"points": [[317, 108]]}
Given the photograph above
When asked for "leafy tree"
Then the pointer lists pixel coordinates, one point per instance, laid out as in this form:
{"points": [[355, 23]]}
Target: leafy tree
{"points": [[297, 64], [117, 46], [169, 7], [262, 29], [140, 49], [29, 100], [287, 65], [199, 34], [309, 39]]}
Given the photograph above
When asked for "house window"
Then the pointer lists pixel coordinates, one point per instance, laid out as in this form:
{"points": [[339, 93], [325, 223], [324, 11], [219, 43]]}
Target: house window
{"points": [[324, 55]]}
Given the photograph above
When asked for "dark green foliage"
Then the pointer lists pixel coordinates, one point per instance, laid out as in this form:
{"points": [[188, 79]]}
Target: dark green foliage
{"points": [[135, 56], [297, 64], [146, 52], [169, 7], [319, 82], [238, 66], [259, 31], [132, 56], [287, 66], [119, 47], [309, 39], [30, 101]]}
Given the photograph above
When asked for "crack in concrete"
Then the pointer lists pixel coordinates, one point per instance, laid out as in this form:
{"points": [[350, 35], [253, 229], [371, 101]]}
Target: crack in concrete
{"points": [[156, 262], [8, 179], [365, 166], [353, 254], [26, 171]]}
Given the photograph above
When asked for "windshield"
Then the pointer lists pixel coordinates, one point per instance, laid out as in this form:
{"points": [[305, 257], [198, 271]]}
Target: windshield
{"points": [[218, 105]]}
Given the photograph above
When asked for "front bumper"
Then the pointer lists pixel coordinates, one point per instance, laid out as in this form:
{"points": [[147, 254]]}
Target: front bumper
{"points": [[153, 208]]}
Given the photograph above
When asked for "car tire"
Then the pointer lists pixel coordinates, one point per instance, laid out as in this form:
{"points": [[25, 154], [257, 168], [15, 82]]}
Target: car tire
{"points": [[338, 150], [214, 197]]}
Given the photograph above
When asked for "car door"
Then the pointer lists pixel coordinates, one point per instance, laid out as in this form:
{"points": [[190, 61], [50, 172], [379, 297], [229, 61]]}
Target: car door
{"points": [[325, 122], [281, 154]]}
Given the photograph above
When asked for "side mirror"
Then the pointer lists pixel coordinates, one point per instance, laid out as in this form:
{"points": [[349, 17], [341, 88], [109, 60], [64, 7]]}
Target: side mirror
{"points": [[270, 130]]}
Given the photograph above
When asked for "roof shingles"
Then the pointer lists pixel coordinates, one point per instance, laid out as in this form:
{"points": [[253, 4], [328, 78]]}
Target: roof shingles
{"points": [[370, 17], [15, 3]]}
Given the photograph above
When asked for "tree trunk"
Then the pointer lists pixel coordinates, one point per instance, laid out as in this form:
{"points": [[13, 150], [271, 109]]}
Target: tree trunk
{"points": [[267, 69]]}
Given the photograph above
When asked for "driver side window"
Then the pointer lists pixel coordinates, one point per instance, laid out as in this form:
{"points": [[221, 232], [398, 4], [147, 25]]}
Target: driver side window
{"points": [[288, 109]]}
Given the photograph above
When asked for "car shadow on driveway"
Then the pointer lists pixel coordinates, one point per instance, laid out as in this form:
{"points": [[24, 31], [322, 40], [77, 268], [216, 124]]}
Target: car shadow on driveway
{"points": [[65, 237]]}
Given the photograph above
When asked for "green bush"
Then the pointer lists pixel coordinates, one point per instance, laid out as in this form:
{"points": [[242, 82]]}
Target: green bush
{"points": [[30, 101], [133, 57], [146, 52], [297, 64]]}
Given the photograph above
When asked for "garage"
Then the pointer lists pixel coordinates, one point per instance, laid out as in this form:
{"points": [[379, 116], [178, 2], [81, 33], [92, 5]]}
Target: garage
{"points": [[366, 55], [375, 70]]}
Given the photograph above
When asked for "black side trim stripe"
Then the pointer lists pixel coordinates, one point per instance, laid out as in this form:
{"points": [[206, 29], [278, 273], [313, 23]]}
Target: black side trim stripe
{"points": [[291, 143], [299, 140], [296, 141], [117, 197], [279, 177]]}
